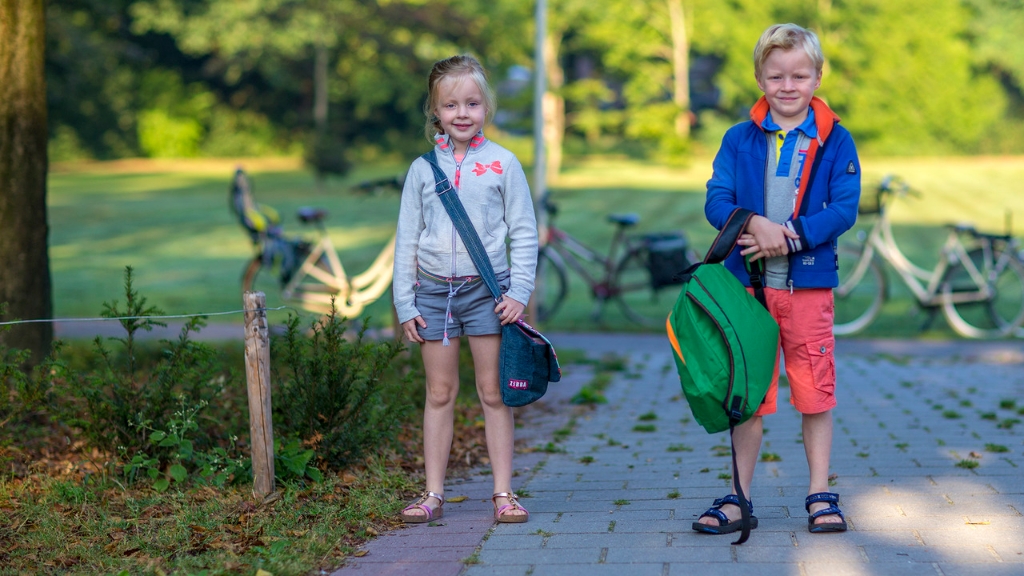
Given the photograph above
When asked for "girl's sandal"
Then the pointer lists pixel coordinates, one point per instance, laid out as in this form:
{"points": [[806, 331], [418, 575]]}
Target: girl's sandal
{"points": [[500, 514], [429, 514]]}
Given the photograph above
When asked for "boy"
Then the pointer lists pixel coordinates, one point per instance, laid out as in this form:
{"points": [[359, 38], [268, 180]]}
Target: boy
{"points": [[798, 170]]}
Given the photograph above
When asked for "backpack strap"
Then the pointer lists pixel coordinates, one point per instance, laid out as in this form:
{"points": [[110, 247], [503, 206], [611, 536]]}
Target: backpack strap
{"points": [[719, 251], [457, 212], [726, 241]]}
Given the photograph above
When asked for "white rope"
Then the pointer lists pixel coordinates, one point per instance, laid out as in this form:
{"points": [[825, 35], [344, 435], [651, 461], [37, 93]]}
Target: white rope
{"points": [[171, 316]]}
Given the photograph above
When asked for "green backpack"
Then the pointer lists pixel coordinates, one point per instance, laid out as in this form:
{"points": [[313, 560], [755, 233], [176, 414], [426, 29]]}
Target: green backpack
{"points": [[724, 341]]}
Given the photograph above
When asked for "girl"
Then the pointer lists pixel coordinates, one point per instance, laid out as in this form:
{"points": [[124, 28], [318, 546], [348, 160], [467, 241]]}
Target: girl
{"points": [[438, 292]]}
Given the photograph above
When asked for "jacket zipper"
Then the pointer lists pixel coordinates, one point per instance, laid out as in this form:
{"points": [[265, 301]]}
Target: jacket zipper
{"points": [[458, 180]]}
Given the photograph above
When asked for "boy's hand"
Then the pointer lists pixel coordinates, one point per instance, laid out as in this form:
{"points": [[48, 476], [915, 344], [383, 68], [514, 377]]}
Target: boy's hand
{"points": [[409, 327], [509, 310], [765, 239]]}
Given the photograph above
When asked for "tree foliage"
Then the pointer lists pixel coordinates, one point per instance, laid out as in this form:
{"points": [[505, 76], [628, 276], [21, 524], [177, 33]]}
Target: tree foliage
{"points": [[231, 77]]}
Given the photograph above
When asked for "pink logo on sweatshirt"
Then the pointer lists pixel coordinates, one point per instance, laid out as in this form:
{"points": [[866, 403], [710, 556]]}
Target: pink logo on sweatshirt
{"points": [[518, 384], [482, 169]]}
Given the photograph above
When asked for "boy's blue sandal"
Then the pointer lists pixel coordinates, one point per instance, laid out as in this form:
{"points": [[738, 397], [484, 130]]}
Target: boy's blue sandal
{"points": [[724, 526], [833, 501]]}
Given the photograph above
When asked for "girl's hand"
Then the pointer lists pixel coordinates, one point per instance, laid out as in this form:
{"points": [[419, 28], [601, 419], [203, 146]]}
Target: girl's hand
{"points": [[409, 327], [765, 239], [509, 310]]}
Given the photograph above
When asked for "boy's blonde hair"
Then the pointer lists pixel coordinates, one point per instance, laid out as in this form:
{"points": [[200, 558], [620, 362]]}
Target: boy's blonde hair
{"points": [[457, 67], [787, 37]]}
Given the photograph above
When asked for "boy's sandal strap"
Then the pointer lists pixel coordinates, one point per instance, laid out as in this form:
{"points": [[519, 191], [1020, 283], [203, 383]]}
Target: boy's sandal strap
{"points": [[716, 508], [833, 509], [830, 497]]}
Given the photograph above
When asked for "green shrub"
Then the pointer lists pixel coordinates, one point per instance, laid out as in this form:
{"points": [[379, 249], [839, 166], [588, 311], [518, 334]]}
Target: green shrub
{"points": [[333, 394], [134, 389], [171, 455]]}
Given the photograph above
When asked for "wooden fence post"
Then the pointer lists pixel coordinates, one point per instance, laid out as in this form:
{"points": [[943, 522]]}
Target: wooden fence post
{"points": [[257, 376]]}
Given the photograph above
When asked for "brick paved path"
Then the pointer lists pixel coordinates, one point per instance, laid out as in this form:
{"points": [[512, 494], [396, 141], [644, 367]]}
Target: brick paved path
{"points": [[620, 500]]}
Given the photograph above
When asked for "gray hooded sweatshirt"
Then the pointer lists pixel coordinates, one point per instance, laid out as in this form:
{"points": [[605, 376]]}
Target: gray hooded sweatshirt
{"points": [[493, 189]]}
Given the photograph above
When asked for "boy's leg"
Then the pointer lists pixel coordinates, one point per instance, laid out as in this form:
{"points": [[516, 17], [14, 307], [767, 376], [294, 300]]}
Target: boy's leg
{"points": [[808, 345], [441, 365], [817, 429], [499, 425], [746, 439]]}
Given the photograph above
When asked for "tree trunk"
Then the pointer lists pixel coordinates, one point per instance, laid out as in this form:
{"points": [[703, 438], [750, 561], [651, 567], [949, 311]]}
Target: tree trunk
{"points": [[24, 262], [554, 104], [680, 67], [320, 103]]}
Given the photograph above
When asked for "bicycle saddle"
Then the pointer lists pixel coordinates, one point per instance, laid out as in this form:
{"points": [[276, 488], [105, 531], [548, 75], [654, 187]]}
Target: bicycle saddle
{"points": [[624, 219], [309, 214]]}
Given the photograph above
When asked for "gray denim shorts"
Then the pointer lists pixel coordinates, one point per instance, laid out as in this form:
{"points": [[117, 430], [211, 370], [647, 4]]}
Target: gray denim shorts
{"points": [[471, 306]]}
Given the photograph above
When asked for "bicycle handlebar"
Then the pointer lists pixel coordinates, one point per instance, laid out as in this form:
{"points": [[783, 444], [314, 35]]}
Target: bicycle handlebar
{"points": [[892, 184], [375, 186], [548, 205]]}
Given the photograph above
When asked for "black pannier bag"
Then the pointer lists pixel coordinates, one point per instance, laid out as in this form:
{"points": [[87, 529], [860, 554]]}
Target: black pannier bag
{"points": [[667, 257]]}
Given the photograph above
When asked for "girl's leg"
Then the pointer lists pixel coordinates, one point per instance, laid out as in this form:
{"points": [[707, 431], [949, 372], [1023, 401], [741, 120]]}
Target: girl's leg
{"points": [[498, 421], [746, 439], [817, 429], [441, 365]]}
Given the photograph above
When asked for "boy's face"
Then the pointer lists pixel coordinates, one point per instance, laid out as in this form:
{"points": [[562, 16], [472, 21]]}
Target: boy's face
{"points": [[788, 80]]}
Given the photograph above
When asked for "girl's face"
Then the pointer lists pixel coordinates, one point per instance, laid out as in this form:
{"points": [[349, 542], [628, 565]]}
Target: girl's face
{"points": [[788, 80], [461, 109]]}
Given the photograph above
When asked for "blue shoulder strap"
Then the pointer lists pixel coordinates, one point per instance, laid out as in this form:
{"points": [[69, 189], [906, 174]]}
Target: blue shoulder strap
{"points": [[450, 199]]}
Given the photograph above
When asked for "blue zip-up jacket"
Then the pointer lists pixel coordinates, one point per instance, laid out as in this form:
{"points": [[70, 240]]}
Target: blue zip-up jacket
{"points": [[827, 197]]}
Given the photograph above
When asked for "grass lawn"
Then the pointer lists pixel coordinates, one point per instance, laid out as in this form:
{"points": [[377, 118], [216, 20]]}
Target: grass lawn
{"points": [[172, 222]]}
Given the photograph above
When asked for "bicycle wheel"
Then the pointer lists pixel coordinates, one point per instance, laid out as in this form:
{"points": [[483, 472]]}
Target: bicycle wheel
{"points": [[860, 293], [553, 285], [974, 316], [631, 287], [251, 270]]}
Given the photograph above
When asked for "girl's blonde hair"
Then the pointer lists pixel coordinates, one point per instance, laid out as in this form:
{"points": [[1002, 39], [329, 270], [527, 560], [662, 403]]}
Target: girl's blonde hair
{"points": [[787, 37], [456, 67]]}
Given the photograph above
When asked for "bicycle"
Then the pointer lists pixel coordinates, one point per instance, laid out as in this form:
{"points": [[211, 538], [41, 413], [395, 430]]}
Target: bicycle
{"points": [[979, 286], [647, 264], [311, 273]]}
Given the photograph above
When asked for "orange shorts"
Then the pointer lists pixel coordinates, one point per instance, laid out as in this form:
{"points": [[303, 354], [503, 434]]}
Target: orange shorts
{"points": [[805, 320]]}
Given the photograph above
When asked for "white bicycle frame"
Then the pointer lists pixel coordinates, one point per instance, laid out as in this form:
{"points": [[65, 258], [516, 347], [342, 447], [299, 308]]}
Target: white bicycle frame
{"points": [[928, 286], [350, 295]]}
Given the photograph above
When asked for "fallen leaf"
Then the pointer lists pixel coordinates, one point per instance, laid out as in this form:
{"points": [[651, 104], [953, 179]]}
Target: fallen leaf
{"points": [[198, 529], [457, 499], [360, 553], [262, 572], [975, 455], [348, 478], [982, 523], [372, 531]]}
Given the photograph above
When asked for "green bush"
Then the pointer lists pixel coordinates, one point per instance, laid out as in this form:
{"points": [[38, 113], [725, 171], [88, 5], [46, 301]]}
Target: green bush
{"points": [[169, 413], [340, 396], [23, 394], [135, 389]]}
